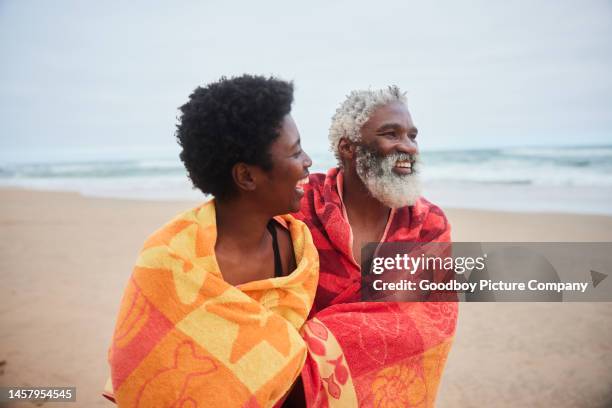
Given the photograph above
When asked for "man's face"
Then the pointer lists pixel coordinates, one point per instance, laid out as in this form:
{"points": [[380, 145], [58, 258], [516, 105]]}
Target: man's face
{"points": [[386, 158]]}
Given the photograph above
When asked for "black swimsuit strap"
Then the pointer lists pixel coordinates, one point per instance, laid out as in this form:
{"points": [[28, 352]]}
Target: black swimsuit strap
{"points": [[278, 265]]}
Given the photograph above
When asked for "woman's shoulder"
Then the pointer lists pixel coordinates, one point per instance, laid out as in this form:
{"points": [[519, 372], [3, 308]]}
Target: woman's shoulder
{"points": [[291, 224], [203, 215], [299, 234]]}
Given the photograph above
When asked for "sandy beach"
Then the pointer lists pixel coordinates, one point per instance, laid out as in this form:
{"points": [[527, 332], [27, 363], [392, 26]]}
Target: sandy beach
{"points": [[65, 258]]}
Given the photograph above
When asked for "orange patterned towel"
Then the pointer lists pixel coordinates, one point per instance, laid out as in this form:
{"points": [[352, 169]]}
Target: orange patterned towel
{"points": [[186, 338]]}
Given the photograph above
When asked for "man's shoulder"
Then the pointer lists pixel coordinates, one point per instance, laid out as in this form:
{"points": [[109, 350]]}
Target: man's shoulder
{"points": [[424, 206], [315, 185], [316, 179], [421, 212], [421, 222], [317, 193]]}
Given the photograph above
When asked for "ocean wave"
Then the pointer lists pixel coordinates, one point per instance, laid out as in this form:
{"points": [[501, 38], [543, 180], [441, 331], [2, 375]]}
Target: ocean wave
{"points": [[96, 169], [555, 166], [587, 153]]}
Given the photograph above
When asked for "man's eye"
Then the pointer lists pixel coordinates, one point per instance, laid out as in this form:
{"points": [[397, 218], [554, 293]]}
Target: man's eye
{"points": [[389, 134]]}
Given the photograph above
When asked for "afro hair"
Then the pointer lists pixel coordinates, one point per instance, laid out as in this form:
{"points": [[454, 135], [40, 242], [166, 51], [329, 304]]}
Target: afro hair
{"points": [[230, 121]]}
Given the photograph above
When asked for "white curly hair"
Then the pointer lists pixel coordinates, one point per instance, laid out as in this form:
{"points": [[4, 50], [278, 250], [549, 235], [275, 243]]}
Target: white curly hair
{"points": [[356, 110]]}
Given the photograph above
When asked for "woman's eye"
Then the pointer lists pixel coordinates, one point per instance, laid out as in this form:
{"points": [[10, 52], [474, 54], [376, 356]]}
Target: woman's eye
{"points": [[298, 154]]}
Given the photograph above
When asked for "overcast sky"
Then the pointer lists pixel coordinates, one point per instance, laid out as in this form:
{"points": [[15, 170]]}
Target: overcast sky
{"points": [[110, 75]]}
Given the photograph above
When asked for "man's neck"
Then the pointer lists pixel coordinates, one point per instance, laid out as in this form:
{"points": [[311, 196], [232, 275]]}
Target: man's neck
{"points": [[367, 216], [361, 207]]}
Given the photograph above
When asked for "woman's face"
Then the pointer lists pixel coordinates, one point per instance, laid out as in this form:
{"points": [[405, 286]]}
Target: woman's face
{"points": [[283, 184]]}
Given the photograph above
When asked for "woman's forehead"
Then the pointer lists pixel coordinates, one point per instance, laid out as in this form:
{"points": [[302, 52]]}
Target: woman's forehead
{"points": [[289, 136]]}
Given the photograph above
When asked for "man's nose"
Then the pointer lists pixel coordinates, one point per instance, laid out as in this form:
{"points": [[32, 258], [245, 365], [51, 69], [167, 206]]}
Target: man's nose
{"points": [[407, 145]]}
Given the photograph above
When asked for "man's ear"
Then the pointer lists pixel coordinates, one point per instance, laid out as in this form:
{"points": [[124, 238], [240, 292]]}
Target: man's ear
{"points": [[244, 177], [346, 149]]}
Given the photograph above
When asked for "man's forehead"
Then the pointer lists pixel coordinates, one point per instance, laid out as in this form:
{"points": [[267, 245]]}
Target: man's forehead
{"points": [[393, 114]]}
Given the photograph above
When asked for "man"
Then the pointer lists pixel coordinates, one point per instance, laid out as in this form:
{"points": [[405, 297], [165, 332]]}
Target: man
{"points": [[374, 194], [395, 351]]}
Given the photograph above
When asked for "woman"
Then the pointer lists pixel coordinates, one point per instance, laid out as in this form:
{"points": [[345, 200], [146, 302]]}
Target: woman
{"points": [[212, 311]]}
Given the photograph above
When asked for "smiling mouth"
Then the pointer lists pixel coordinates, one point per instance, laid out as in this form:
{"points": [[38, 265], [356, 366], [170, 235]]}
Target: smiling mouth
{"points": [[300, 184], [403, 166]]}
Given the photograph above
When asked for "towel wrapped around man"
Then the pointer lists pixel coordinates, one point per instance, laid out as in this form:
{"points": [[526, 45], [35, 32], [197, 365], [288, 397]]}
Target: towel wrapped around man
{"points": [[394, 352]]}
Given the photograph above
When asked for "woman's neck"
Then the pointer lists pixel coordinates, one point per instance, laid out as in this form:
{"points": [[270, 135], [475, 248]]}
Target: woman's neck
{"points": [[240, 225]]}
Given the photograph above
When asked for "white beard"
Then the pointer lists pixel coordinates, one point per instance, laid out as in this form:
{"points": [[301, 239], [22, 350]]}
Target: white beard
{"points": [[392, 189]]}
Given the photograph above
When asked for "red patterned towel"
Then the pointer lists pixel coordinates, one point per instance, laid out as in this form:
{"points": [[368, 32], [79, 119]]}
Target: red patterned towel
{"points": [[370, 354], [339, 275]]}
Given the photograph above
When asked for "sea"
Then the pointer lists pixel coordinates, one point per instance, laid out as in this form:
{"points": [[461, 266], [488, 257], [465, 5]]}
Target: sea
{"points": [[526, 179]]}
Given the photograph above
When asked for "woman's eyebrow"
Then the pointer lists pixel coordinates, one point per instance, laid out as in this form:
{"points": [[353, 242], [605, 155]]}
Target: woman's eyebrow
{"points": [[296, 144]]}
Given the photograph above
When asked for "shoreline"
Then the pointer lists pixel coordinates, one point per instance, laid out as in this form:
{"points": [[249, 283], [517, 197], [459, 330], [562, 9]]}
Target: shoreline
{"points": [[550, 198], [467, 224], [170, 201]]}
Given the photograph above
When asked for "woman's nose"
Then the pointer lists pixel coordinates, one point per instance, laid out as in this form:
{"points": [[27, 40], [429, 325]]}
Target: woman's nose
{"points": [[307, 161]]}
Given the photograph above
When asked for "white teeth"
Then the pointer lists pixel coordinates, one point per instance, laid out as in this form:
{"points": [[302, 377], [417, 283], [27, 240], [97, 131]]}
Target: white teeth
{"points": [[301, 182], [407, 165]]}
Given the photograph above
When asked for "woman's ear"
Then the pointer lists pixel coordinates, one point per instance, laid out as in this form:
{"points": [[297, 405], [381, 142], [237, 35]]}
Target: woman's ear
{"points": [[346, 149], [244, 177]]}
